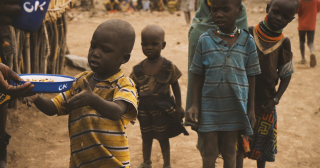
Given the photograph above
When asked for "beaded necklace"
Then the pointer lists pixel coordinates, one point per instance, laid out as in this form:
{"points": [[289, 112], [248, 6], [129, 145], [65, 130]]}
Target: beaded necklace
{"points": [[266, 34], [236, 30], [94, 77]]}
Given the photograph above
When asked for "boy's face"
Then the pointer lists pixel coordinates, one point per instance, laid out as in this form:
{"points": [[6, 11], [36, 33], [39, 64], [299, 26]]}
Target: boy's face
{"points": [[280, 13], [105, 54], [152, 44], [224, 13]]}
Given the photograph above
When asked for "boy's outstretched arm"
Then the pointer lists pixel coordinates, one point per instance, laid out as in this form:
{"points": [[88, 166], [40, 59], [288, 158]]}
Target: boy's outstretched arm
{"points": [[111, 110], [45, 105], [251, 113], [193, 112], [177, 96]]}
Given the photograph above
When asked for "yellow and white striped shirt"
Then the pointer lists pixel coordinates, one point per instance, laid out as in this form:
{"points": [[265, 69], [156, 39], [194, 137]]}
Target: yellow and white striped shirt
{"points": [[96, 141]]}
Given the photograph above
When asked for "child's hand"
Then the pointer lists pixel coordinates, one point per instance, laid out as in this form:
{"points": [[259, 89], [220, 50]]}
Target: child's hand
{"points": [[180, 112], [29, 100], [269, 107], [192, 114], [84, 98], [252, 118]]}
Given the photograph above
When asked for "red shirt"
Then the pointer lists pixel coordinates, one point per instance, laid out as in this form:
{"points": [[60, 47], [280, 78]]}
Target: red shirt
{"points": [[307, 12]]}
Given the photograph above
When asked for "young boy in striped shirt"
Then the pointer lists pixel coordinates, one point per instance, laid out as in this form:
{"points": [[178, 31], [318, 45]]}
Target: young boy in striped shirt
{"points": [[100, 103]]}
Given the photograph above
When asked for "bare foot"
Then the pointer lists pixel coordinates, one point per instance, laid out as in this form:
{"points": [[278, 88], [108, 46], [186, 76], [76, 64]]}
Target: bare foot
{"points": [[302, 61]]}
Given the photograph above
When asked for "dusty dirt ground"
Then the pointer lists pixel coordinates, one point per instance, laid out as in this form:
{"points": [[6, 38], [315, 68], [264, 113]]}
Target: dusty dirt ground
{"points": [[39, 141]]}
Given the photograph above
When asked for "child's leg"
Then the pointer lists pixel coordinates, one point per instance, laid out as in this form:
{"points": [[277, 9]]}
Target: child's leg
{"points": [[302, 37], [187, 16], [261, 164], [228, 150], [146, 149], [310, 37], [211, 151], [239, 162], [165, 149]]}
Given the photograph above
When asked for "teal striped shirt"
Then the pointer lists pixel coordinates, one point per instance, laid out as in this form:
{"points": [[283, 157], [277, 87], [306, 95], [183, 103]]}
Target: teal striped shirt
{"points": [[225, 89]]}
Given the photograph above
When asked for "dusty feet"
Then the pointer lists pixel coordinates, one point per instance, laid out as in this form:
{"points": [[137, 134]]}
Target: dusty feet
{"points": [[302, 61], [313, 61], [143, 165]]}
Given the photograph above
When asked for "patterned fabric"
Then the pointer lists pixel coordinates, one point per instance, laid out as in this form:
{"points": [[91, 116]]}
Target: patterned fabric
{"points": [[263, 143], [243, 144], [276, 63], [156, 106], [225, 89], [97, 141]]}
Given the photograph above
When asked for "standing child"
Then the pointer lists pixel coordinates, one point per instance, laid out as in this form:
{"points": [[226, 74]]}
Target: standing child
{"points": [[186, 6], [100, 103], [275, 57], [160, 115], [308, 10], [224, 66]]}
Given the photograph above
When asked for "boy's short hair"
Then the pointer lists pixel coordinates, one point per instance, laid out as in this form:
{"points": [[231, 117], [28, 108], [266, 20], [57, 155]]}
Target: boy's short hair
{"points": [[238, 2], [123, 32], [154, 28], [296, 3]]}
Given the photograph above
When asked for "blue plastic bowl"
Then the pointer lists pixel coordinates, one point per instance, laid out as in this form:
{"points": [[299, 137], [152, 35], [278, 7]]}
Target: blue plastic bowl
{"points": [[61, 83], [32, 14]]}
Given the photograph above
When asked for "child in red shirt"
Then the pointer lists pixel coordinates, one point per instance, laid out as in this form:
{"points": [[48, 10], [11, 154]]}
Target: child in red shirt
{"points": [[307, 12]]}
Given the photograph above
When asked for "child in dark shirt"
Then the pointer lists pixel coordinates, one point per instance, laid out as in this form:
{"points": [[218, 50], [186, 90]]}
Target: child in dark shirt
{"points": [[275, 57], [159, 113]]}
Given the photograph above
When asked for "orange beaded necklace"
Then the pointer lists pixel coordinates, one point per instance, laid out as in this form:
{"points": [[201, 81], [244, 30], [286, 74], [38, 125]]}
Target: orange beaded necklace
{"points": [[264, 33]]}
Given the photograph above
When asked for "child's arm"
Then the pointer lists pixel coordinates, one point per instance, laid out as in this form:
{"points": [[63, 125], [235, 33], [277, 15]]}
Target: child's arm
{"points": [[193, 112], [250, 113], [111, 110], [284, 83], [45, 105], [177, 95]]}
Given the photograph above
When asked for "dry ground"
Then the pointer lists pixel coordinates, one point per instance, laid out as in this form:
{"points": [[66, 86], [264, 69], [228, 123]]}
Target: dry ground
{"points": [[39, 141]]}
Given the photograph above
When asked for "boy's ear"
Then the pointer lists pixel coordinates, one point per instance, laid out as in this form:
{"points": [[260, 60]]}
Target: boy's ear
{"points": [[268, 8], [126, 58], [164, 45]]}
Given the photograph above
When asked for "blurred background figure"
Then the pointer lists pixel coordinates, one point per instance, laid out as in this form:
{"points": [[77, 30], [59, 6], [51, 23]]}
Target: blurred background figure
{"points": [[308, 10], [145, 5], [127, 6], [156, 5], [172, 6], [187, 6], [112, 5]]}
